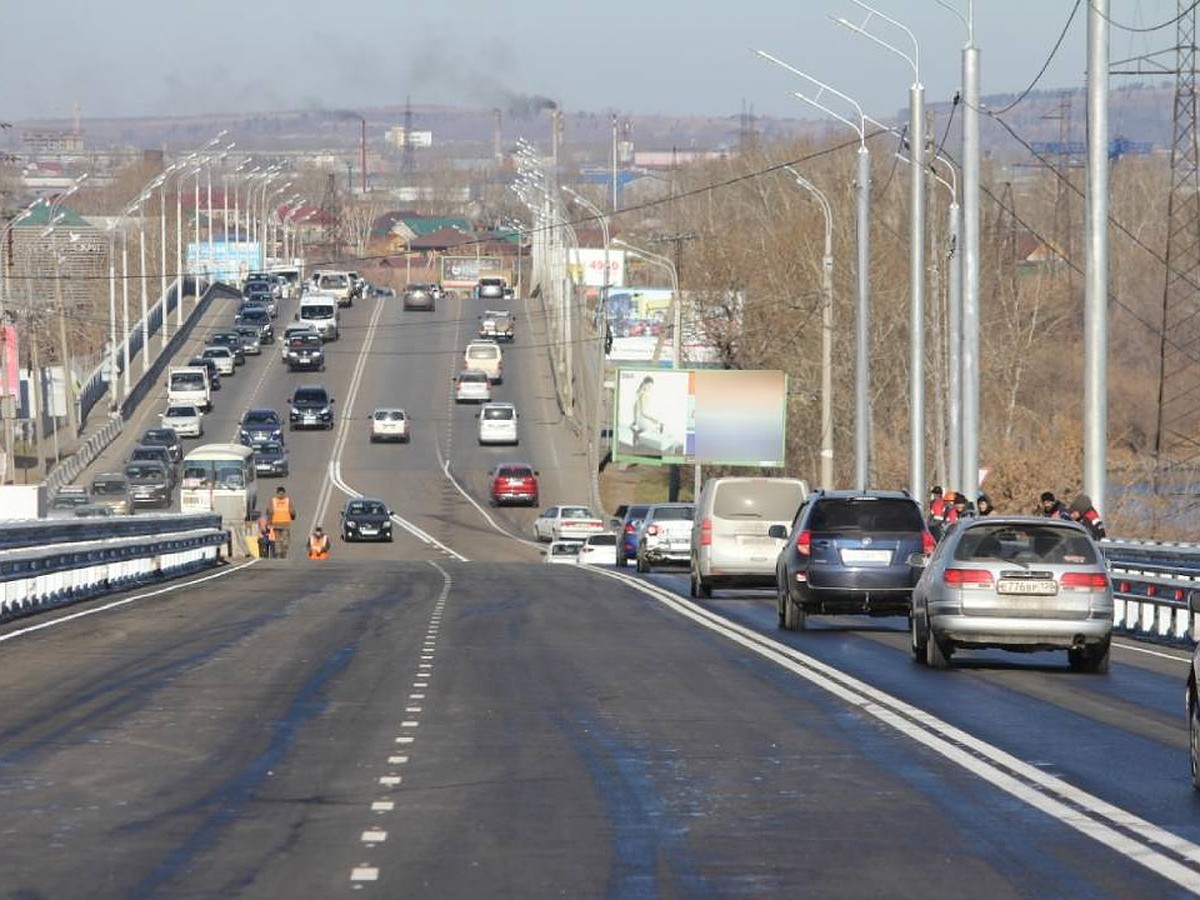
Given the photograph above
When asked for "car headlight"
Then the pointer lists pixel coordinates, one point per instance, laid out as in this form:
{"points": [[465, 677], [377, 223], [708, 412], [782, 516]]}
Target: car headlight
{"points": [[351, 524], [325, 410], [295, 411]]}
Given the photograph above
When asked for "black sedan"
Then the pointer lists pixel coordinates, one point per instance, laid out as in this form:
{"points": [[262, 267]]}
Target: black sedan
{"points": [[260, 425], [270, 458], [365, 519]]}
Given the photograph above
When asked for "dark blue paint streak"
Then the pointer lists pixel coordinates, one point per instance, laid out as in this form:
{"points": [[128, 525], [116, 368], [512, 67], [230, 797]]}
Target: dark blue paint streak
{"points": [[228, 801], [646, 844]]}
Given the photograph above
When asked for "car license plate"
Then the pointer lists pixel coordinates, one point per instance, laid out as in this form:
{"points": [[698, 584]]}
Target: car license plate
{"points": [[367, 529], [310, 420], [1026, 586], [852, 557]]}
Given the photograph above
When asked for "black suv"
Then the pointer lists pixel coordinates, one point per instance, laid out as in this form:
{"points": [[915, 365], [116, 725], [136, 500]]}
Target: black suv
{"points": [[310, 407], [259, 318], [305, 351], [847, 552]]}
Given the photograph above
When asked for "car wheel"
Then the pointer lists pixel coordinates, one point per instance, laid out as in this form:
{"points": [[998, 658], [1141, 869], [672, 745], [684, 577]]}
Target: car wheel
{"points": [[374, 439], [345, 536], [918, 645], [1094, 659], [1194, 740], [780, 602], [795, 616], [937, 655], [643, 564]]}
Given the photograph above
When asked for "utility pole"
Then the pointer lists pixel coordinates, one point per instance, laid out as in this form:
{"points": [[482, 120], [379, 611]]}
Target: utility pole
{"points": [[678, 239]]}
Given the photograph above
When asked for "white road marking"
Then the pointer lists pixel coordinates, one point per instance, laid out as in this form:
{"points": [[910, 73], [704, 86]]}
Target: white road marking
{"points": [[421, 684], [382, 806], [1143, 842], [374, 837], [409, 723], [397, 760], [1161, 654], [404, 740], [389, 780], [412, 709], [416, 696], [364, 873]]}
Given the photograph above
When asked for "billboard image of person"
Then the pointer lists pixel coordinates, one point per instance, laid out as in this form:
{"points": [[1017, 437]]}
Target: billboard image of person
{"points": [[652, 414]]}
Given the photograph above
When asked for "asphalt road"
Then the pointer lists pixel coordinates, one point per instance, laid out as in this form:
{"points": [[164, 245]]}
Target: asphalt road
{"points": [[446, 716]]}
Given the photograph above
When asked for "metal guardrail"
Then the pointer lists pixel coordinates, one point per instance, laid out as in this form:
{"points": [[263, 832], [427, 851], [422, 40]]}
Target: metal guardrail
{"points": [[1156, 588], [91, 559]]}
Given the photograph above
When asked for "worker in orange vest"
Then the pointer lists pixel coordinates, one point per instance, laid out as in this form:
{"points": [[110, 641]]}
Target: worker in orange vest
{"points": [[266, 538], [282, 516], [318, 544]]}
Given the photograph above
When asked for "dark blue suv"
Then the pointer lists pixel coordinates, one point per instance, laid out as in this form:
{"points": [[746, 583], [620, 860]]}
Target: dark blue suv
{"points": [[847, 553], [630, 531]]}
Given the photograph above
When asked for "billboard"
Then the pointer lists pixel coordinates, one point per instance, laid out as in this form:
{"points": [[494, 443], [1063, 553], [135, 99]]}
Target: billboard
{"points": [[734, 417], [9, 379], [228, 261], [586, 266], [642, 326], [465, 271]]}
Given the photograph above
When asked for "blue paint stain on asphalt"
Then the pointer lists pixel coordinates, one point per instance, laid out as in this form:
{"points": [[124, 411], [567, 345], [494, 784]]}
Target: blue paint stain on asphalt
{"points": [[652, 859], [228, 801]]}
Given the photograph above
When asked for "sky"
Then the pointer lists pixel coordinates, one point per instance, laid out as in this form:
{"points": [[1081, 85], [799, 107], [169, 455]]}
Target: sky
{"points": [[132, 58]]}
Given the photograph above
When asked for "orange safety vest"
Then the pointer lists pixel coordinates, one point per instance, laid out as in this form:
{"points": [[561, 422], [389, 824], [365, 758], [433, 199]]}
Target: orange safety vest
{"points": [[266, 529], [318, 547], [282, 511]]}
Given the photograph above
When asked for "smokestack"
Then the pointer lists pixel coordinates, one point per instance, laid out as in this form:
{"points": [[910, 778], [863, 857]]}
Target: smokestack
{"points": [[497, 148], [363, 151]]}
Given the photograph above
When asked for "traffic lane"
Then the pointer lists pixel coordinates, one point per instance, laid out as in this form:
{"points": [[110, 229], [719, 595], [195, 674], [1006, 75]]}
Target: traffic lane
{"points": [[1122, 737], [181, 744], [576, 736]]}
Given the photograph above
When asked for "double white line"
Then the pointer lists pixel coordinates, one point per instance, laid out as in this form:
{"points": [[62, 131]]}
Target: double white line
{"points": [[1160, 851]]}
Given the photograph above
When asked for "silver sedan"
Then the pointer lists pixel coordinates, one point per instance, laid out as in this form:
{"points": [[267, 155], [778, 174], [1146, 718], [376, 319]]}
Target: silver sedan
{"points": [[1020, 583]]}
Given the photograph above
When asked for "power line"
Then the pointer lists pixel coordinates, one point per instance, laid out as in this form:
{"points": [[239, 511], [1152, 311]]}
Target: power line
{"points": [[1046, 65]]}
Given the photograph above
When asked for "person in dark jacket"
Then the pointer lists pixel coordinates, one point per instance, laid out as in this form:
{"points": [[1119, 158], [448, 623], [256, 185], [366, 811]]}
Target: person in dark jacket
{"points": [[1052, 507], [983, 505], [1083, 512]]}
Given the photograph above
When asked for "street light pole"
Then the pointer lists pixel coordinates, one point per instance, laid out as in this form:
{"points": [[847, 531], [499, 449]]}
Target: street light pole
{"points": [[826, 330], [916, 359]]}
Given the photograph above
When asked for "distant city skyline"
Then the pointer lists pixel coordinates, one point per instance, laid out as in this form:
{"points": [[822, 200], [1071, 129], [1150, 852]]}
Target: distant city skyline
{"points": [[140, 58]]}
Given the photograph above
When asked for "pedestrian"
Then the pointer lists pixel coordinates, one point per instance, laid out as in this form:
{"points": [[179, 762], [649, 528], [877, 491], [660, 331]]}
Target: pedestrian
{"points": [[318, 544], [266, 537], [283, 513], [1083, 512], [960, 507], [983, 505], [938, 507], [1052, 507]]}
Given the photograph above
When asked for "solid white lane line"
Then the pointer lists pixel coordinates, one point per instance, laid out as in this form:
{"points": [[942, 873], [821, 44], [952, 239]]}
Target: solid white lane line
{"points": [[1122, 831]]}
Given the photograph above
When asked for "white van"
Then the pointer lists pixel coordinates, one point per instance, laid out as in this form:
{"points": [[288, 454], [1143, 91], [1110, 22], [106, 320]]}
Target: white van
{"points": [[730, 544], [339, 284], [498, 423], [485, 355], [320, 311]]}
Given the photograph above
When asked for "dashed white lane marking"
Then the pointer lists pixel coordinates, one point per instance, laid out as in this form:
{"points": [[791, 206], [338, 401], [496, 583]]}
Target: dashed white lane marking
{"points": [[416, 696], [389, 780], [409, 723], [382, 806], [404, 740], [397, 760], [364, 873], [421, 684], [374, 837], [409, 709]]}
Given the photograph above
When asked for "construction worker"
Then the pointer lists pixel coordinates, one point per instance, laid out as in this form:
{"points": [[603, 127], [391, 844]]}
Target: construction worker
{"points": [[282, 516], [318, 544], [266, 537]]}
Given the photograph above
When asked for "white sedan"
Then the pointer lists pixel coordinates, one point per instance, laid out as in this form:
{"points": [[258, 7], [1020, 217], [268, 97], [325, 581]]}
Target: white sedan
{"points": [[185, 419], [389, 424], [223, 357]]}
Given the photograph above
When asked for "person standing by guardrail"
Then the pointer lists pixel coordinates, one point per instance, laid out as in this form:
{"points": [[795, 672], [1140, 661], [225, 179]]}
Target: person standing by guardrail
{"points": [[283, 513]]}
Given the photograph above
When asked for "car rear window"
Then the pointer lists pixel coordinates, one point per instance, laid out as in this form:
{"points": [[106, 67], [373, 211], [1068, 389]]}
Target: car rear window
{"points": [[602, 540], [1027, 543], [513, 472], [768, 500], [575, 512], [310, 395], [866, 514], [483, 352], [673, 513], [497, 412]]}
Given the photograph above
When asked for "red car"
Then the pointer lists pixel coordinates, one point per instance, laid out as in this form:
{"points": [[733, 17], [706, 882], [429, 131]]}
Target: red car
{"points": [[514, 483]]}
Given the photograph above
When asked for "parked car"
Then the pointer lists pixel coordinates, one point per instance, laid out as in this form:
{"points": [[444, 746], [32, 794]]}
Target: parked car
{"points": [[847, 552], [222, 356], [566, 551], [260, 424], [665, 535], [629, 525], [310, 407], [599, 549], [366, 519], [390, 424], [730, 544], [1021, 583], [110, 489], [514, 483], [164, 437], [185, 420], [498, 423], [149, 483], [569, 521], [472, 386], [270, 457]]}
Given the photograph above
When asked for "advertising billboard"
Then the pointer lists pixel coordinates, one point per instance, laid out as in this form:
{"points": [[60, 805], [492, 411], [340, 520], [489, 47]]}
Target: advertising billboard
{"points": [[735, 417], [228, 261], [9, 377], [586, 266], [465, 271]]}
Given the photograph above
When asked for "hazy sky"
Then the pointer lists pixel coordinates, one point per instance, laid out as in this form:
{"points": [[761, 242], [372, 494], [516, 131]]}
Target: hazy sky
{"points": [[150, 57]]}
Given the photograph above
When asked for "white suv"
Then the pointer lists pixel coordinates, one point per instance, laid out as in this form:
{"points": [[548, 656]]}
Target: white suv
{"points": [[498, 423], [666, 535]]}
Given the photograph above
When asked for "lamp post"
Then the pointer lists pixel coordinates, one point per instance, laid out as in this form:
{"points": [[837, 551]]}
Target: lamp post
{"points": [[64, 346], [826, 329], [916, 324], [862, 409]]}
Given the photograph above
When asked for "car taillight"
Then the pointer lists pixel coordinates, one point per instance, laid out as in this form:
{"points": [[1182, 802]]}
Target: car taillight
{"points": [[928, 543], [706, 532], [967, 577], [1084, 581], [804, 543], [652, 529], [630, 528]]}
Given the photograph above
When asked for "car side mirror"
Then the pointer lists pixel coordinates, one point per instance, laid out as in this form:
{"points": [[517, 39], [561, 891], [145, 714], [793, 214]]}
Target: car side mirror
{"points": [[778, 531]]}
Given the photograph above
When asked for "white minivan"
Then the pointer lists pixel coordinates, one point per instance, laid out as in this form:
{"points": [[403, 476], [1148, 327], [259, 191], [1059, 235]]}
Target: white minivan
{"points": [[498, 423], [730, 544], [485, 355], [321, 312]]}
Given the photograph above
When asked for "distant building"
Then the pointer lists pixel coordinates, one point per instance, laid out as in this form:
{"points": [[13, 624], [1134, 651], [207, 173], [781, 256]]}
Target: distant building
{"points": [[396, 137], [41, 142], [669, 159]]}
